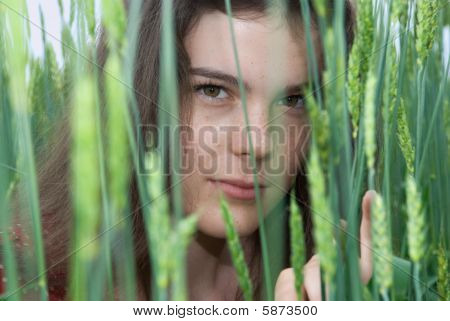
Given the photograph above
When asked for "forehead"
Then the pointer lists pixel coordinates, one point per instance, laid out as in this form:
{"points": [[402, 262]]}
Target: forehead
{"points": [[269, 53]]}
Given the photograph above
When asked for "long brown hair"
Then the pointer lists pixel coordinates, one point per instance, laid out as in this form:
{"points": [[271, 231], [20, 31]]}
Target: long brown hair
{"points": [[53, 174]]}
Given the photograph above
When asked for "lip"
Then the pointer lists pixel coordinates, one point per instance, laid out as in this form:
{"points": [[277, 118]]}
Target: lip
{"points": [[238, 189]]}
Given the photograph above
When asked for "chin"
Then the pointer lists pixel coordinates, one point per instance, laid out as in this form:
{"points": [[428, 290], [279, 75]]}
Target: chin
{"points": [[212, 224]]}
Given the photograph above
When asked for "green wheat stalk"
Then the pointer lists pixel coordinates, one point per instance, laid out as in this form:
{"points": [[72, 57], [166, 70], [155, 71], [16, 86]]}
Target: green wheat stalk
{"points": [[115, 22], [400, 12], [119, 163], [7, 178], [17, 56], [158, 227], [443, 286], [415, 230], [404, 138], [426, 27], [297, 244], [236, 251], [369, 122], [320, 121], [358, 65], [322, 218], [381, 246], [181, 236], [416, 221], [86, 187]]}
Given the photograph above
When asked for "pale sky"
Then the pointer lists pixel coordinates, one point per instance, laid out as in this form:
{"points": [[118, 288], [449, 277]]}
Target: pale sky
{"points": [[53, 23]]}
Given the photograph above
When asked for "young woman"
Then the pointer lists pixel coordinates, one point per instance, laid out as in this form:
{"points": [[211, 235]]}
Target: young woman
{"points": [[272, 56], [273, 60]]}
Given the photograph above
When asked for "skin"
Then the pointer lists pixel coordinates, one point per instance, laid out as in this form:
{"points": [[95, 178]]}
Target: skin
{"points": [[219, 142]]}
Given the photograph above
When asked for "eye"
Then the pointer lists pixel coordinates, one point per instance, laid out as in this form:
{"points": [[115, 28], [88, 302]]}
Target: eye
{"points": [[294, 101], [211, 91]]}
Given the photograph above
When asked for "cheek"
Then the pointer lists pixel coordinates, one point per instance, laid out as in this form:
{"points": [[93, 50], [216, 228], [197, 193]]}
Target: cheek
{"points": [[199, 160], [201, 148], [298, 139], [289, 147]]}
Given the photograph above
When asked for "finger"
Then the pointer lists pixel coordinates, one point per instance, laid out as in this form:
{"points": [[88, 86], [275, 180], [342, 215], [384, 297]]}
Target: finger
{"points": [[365, 237], [285, 286], [312, 279]]}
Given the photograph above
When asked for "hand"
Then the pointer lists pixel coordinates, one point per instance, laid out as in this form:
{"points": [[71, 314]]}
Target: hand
{"points": [[285, 289]]}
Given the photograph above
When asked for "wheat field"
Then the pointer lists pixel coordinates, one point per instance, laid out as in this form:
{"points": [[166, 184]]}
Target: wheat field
{"points": [[389, 91]]}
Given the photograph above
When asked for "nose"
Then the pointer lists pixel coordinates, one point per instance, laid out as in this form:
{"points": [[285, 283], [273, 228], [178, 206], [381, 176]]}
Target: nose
{"points": [[257, 131]]}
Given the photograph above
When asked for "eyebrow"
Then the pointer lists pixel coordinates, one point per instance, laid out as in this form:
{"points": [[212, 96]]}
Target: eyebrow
{"points": [[234, 82], [217, 74]]}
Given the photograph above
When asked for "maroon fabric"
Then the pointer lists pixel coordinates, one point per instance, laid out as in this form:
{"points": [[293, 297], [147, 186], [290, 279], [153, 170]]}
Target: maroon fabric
{"points": [[55, 293], [2, 288], [56, 281]]}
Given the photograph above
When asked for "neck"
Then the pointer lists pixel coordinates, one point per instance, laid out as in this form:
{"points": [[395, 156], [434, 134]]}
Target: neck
{"points": [[210, 271]]}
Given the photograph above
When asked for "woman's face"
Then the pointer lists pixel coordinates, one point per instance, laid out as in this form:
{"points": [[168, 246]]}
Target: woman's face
{"points": [[216, 155]]}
